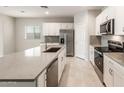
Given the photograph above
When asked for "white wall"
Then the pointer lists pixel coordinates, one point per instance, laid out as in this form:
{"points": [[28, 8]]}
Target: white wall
{"points": [[21, 43], [7, 34], [84, 26]]}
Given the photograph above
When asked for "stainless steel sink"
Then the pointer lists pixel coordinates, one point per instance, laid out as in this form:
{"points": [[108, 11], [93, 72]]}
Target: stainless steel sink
{"points": [[53, 49]]}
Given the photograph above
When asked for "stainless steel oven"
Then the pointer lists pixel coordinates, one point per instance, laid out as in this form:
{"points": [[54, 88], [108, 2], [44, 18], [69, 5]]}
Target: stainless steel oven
{"points": [[107, 28], [99, 64]]}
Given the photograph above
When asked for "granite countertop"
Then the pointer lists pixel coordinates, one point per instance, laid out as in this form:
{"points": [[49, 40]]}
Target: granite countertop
{"points": [[118, 57], [95, 45], [26, 65]]}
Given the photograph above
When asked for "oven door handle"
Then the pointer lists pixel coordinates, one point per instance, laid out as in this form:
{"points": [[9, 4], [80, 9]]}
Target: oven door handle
{"points": [[98, 52], [107, 27]]}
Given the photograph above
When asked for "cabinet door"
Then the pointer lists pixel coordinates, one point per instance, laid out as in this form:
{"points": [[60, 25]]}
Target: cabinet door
{"points": [[108, 72], [98, 22], [41, 80], [118, 76], [92, 54], [61, 63], [54, 29], [51, 29], [119, 21], [1, 39], [108, 13], [67, 26], [60, 58], [111, 13], [45, 28]]}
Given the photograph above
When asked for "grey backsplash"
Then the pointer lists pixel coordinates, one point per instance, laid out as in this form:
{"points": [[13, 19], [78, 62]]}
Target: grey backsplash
{"points": [[95, 40], [105, 39], [52, 39]]}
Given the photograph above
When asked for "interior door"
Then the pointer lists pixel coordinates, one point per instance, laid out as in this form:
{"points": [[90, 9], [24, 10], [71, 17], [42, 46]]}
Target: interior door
{"points": [[1, 38], [79, 41]]}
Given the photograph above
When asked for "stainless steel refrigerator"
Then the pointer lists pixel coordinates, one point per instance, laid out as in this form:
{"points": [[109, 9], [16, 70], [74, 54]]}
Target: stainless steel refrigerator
{"points": [[67, 38]]}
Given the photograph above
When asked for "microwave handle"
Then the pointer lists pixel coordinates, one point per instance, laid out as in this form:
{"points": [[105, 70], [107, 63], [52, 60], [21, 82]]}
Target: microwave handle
{"points": [[107, 27]]}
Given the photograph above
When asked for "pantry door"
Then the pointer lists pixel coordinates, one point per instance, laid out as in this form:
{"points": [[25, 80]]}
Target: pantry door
{"points": [[1, 38]]}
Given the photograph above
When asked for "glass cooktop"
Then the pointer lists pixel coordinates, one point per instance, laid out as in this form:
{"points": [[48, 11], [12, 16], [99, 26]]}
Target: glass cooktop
{"points": [[107, 49]]}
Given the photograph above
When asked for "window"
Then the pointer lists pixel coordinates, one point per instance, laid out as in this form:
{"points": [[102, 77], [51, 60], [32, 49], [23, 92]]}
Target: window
{"points": [[32, 32]]}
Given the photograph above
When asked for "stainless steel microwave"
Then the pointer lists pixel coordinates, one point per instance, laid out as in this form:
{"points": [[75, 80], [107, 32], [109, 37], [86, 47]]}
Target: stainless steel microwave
{"points": [[107, 28]]}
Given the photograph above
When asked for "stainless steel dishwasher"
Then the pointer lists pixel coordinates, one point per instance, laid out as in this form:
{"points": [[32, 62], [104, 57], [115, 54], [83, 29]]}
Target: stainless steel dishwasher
{"points": [[52, 74]]}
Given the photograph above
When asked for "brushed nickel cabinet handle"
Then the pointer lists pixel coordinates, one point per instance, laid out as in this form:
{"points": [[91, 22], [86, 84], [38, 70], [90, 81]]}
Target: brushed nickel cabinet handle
{"points": [[110, 71]]}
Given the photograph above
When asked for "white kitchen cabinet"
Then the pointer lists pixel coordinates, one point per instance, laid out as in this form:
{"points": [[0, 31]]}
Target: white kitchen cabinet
{"points": [[118, 75], [108, 72], [92, 55], [66, 26], [61, 63], [106, 14], [113, 73], [98, 22], [1, 39], [51, 29], [119, 20], [41, 80]]}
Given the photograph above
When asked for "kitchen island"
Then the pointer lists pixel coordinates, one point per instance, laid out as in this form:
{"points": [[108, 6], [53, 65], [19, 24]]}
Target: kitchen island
{"points": [[28, 68]]}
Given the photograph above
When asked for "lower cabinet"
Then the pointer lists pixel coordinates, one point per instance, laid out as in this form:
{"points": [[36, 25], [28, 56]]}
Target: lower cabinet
{"points": [[61, 63], [108, 72], [113, 73], [92, 55], [41, 80], [118, 76]]}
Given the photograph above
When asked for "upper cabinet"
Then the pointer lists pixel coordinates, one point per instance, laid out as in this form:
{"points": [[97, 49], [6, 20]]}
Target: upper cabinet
{"points": [[106, 14], [66, 26], [98, 22], [119, 21], [109, 13], [52, 29]]}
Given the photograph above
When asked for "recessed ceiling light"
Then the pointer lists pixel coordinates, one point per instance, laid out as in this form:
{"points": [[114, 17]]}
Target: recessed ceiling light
{"points": [[44, 6], [47, 12]]}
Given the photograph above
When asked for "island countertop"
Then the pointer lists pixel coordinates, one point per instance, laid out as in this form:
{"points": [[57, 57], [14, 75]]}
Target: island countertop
{"points": [[26, 65]]}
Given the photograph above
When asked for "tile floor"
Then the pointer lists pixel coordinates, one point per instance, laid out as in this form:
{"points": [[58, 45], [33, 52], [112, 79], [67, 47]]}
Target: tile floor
{"points": [[79, 73]]}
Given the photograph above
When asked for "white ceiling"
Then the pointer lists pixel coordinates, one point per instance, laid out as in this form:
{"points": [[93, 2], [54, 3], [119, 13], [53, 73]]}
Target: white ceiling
{"points": [[37, 11]]}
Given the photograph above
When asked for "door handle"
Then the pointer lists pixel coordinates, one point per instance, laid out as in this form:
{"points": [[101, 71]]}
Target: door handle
{"points": [[61, 59], [110, 71], [107, 27]]}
